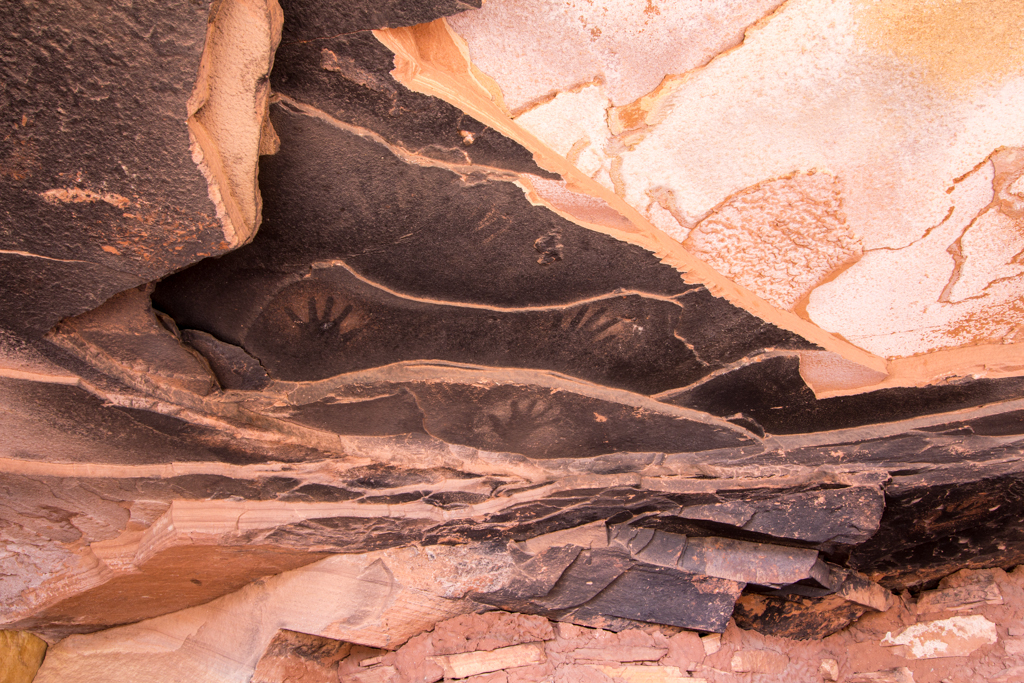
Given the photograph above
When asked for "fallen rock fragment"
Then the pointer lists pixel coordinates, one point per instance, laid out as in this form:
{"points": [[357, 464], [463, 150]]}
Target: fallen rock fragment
{"points": [[21, 653], [953, 637], [620, 654], [829, 670], [858, 589], [807, 612], [598, 587], [672, 597], [1013, 646], [900, 675], [759, 662], [964, 590], [648, 674], [712, 643], [685, 650], [473, 663], [798, 617], [758, 563]]}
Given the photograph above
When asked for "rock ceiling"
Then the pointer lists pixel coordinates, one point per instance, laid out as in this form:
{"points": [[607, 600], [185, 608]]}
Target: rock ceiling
{"points": [[716, 302]]}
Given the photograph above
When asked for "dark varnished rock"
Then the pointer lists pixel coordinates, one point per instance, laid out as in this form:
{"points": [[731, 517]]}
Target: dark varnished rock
{"points": [[389, 414], [384, 476], [822, 517], [348, 78], [213, 487], [1009, 423], [217, 445], [233, 367], [939, 521], [124, 337], [320, 493], [308, 19], [332, 195], [909, 451], [797, 617], [333, 323], [589, 574], [604, 586], [723, 334], [38, 416], [38, 292], [414, 284], [532, 413], [533, 421], [771, 392], [667, 596], [341, 534], [455, 500], [757, 563], [535, 576], [95, 102]]}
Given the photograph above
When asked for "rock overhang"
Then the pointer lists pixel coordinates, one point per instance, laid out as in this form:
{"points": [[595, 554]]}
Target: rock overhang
{"points": [[454, 328]]}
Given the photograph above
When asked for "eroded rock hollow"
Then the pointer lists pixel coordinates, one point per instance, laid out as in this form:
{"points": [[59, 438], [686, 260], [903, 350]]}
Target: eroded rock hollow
{"points": [[363, 316]]}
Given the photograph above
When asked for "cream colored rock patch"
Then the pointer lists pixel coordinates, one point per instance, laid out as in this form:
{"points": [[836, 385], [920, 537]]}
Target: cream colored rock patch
{"points": [[989, 251], [953, 637], [805, 92], [898, 102], [829, 374], [959, 285], [534, 49], [574, 125], [779, 238], [76, 195], [356, 598], [228, 110]]}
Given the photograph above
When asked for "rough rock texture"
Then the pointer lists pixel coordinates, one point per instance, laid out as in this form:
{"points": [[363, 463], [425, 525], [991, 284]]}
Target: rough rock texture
{"points": [[101, 186], [517, 648], [445, 361], [778, 239], [21, 654], [301, 658], [909, 121]]}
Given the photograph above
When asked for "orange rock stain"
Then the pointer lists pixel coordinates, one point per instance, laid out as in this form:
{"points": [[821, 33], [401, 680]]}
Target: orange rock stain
{"points": [[959, 45]]}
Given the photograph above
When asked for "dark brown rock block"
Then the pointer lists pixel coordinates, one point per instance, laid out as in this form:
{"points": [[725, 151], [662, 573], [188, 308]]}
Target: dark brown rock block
{"points": [[457, 279], [347, 76], [308, 19], [939, 521], [769, 391], [665, 596], [100, 189]]}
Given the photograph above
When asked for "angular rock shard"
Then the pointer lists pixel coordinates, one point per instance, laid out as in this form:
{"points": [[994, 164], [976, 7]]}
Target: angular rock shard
{"points": [[953, 637]]}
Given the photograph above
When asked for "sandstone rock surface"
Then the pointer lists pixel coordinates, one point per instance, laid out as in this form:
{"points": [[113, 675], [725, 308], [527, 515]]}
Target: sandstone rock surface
{"points": [[632, 318], [21, 654]]}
